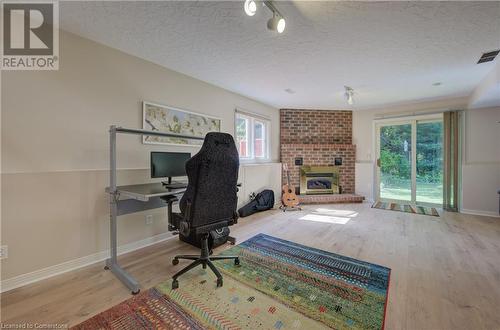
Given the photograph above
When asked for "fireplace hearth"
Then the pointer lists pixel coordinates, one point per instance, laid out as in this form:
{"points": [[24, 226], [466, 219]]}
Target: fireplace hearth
{"points": [[319, 180]]}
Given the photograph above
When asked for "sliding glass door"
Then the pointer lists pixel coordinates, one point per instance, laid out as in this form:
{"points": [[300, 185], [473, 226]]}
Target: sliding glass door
{"points": [[429, 180], [410, 161], [394, 162]]}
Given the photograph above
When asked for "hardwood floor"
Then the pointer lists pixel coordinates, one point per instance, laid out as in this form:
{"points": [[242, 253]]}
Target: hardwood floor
{"points": [[445, 270]]}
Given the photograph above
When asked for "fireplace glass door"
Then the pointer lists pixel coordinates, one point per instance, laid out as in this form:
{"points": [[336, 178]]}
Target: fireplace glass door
{"points": [[319, 180]]}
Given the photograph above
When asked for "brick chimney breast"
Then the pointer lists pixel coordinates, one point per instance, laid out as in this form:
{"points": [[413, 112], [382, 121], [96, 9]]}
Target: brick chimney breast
{"points": [[318, 137]]}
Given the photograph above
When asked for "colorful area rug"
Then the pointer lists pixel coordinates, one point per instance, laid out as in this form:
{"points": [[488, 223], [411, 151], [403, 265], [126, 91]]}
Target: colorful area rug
{"points": [[406, 208], [279, 285]]}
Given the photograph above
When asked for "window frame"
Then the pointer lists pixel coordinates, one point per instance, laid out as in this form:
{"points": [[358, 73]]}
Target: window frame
{"points": [[252, 119]]}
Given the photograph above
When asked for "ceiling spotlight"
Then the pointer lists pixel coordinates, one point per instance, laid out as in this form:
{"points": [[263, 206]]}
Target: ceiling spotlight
{"points": [[250, 7], [276, 23], [349, 93]]}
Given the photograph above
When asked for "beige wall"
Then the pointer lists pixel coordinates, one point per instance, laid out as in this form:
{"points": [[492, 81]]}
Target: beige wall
{"points": [[55, 149], [481, 156]]}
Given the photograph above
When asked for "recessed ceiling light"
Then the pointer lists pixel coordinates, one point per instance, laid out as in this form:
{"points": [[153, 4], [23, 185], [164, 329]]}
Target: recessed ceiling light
{"points": [[437, 83]]}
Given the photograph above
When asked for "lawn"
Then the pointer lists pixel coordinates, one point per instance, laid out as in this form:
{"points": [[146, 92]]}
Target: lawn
{"points": [[401, 190]]}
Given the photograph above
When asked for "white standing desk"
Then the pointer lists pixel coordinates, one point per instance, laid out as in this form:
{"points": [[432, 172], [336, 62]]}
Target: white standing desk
{"points": [[132, 198]]}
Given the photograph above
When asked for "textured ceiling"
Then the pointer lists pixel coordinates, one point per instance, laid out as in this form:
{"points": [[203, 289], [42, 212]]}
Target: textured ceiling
{"points": [[389, 52]]}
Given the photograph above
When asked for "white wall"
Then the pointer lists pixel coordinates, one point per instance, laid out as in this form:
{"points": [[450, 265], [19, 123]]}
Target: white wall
{"points": [[258, 177], [55, 150], [481, 161]]}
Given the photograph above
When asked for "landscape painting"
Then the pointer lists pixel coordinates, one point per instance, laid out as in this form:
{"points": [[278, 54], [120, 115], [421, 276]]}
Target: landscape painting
{"points": [[166, 119]]}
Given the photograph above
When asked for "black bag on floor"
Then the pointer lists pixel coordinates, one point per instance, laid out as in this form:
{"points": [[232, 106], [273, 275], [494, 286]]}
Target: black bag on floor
{"points": [[263, 201]]}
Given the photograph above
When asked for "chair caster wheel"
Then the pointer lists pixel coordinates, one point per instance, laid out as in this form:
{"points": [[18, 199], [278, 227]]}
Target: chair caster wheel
{"points": [[237, 262], [136, 292], [175, 261], [175, 284], [106, 268], [219, 282]]}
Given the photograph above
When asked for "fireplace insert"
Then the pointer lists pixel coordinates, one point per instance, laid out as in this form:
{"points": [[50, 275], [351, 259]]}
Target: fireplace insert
{"points": [[319, 180]]}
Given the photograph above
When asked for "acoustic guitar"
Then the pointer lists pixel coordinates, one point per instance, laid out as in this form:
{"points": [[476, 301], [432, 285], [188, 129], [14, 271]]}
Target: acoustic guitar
{"points": [[288, 197]]}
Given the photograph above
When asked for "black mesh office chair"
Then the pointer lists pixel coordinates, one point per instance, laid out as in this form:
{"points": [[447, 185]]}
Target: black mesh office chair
{"points": [[209, 202]]}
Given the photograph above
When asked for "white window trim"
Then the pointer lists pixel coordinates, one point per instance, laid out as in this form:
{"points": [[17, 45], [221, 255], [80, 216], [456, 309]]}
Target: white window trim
{"points": [[252, 117]]}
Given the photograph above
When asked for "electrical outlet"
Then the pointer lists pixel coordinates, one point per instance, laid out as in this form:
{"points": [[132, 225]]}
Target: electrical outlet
{"points": [[4, 252], [149, 219]]}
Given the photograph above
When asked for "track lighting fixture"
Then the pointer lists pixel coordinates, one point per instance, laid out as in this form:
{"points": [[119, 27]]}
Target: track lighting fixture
{"points": [[250, 7], [276, 23], [349, 94]]}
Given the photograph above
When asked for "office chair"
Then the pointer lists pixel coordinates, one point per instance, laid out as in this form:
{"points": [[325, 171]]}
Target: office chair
{"points": [[209, 202]]}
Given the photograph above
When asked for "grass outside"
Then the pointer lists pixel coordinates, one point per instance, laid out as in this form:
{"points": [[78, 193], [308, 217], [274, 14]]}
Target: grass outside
{"points": [[401, 190]]}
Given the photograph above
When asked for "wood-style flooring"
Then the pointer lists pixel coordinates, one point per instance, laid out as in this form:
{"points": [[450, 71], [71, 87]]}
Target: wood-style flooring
{"points": [[445, 270]]}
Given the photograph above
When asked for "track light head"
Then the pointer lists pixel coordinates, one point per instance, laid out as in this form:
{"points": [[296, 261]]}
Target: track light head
{"points": [[276, 23], [250, 7]]}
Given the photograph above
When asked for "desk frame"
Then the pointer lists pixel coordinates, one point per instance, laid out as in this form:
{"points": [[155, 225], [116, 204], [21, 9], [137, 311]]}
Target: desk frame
{"points": [[114, 201]]}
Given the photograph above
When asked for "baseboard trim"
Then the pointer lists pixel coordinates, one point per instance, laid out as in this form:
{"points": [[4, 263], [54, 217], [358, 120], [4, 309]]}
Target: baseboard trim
{"points": [[44, 273], [481, 213]]}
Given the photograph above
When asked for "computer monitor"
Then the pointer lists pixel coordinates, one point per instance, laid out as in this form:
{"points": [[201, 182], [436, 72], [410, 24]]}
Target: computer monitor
{"points": [[168, 164]]}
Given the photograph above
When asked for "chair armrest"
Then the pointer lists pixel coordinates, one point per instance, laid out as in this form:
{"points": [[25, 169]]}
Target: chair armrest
{"points": [[170, 199], [184, 227]]}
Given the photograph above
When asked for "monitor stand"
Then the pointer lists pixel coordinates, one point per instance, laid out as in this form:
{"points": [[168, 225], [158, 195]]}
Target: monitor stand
{"points": [[173, 185]]}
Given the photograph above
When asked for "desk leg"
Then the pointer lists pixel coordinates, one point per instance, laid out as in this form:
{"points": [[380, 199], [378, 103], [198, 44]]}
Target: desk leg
{"points": [[123, 276], [112, 262]]}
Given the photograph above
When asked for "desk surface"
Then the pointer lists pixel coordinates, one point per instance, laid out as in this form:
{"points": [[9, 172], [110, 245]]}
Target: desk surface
{"points": [[144, 192]]}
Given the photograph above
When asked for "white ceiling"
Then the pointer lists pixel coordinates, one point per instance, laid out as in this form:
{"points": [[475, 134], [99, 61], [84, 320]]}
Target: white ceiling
{"points": [[389, 52]]}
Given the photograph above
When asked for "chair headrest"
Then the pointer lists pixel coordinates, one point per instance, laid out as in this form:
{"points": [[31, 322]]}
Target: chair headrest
{"points": [[217, 138]]}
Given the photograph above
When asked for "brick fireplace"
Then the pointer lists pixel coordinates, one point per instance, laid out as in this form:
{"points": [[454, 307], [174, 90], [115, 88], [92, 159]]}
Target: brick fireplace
{"points": [[319, 138]]}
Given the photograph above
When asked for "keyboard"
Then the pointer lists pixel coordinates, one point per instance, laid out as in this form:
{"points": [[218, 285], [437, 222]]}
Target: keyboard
{"points": [[175, 185]]}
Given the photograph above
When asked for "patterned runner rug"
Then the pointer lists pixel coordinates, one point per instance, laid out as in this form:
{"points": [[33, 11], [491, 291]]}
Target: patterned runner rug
{"points": [[406, 208], [279, 285]]}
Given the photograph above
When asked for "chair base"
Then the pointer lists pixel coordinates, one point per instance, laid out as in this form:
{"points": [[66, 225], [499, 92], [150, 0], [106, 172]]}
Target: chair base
{"points": [[203, 259]]}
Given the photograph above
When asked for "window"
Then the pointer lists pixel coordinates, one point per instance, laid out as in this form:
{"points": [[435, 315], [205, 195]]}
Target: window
{"points": [[252, 136], [242, 135]]}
